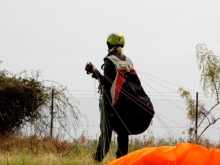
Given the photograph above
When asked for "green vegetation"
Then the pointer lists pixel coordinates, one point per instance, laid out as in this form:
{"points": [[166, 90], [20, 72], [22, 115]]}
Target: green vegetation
{"points": [[33, 150], [20, 99], [27, 100], [209, 65]]}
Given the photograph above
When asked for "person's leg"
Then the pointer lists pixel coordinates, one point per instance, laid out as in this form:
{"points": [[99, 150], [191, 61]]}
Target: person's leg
{"points": [[104, 142], [122, 145]]}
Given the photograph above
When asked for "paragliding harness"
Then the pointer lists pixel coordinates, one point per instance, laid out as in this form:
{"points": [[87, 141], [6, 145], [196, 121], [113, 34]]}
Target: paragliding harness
{"points": [[122, 67], [131, 115]]}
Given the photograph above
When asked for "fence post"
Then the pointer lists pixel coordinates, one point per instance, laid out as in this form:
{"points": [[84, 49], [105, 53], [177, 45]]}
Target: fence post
{"points": [[51, 113], [196, 116]]}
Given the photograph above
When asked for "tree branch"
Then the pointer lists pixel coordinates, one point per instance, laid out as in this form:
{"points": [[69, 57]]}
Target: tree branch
{"points": [[208, 114], [208, 127]]}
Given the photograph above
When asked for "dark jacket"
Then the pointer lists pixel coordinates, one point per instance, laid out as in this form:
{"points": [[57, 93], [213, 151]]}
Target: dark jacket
{"points": [[133, 110]]}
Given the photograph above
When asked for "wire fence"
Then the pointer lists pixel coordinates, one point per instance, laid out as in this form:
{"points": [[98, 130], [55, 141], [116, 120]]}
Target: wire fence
{"points": [[170, 120]]}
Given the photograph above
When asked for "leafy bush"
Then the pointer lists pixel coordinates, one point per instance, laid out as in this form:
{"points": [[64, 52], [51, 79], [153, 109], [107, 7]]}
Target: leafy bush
{"points": [[20, 99], [25, 99]]}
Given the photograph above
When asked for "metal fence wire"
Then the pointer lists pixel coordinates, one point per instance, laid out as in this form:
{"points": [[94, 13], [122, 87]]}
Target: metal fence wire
{"points": [[170, 120]]}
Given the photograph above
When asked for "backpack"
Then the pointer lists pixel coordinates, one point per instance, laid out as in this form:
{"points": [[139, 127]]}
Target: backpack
{"points": [[131, 110]]}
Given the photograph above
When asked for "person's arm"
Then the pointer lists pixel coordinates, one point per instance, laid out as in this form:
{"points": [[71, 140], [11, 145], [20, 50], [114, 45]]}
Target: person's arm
{"points": [[109, 77], [109, 73]]}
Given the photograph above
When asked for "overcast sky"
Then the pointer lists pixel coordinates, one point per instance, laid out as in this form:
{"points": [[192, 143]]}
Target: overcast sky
{"points": [[58, 37]]}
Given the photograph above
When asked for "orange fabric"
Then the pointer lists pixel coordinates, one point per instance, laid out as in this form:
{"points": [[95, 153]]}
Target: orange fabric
{"points": [[181, 154]]}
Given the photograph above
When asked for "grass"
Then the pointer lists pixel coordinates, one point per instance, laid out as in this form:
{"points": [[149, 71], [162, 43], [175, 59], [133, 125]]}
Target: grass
{"points": [[34, 150]]}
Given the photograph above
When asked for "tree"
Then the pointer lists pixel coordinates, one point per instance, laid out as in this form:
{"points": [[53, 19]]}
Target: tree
{"points": [[25, 100], [209, 64], [191, 114]]}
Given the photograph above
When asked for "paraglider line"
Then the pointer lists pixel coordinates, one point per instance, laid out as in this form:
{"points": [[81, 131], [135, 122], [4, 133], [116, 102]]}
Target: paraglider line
{"points": [[114, 108]]}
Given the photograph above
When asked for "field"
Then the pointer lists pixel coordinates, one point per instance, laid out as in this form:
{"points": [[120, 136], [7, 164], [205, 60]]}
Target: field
{"points": [[32, 150]]}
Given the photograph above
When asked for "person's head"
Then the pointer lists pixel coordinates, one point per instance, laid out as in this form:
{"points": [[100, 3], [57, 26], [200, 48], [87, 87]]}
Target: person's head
{"points": [[116, 42]]}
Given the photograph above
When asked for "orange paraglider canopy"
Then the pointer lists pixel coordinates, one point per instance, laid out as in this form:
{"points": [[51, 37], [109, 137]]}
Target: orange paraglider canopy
{"points": [[181, 154]]}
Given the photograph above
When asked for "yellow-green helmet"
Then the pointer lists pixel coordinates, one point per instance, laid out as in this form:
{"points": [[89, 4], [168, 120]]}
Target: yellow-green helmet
{"points": [[115, 39]]}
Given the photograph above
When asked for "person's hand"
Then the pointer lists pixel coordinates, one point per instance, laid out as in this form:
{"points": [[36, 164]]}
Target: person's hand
{"points": [[89, 68]]}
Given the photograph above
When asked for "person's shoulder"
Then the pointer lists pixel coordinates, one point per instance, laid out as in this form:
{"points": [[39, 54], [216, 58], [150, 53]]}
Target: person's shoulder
{"points": [[127, 57], [108, 61]]}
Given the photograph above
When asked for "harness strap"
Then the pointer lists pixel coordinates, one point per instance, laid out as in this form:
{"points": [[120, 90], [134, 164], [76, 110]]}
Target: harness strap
{"points": [[119, 81], [121, 68]]}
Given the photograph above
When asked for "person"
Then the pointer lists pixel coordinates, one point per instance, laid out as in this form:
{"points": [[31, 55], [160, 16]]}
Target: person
{"points": [[124, 105]]}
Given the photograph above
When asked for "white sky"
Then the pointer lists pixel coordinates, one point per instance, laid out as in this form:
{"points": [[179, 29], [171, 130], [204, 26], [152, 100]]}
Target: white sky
{"points": [[58, 37]]}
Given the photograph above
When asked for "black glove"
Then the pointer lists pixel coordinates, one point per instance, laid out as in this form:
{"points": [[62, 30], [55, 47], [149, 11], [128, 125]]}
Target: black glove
{"points": [[89, 68]]}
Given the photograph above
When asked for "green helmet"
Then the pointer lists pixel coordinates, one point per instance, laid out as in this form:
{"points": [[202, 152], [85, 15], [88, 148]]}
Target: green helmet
{"points": [[115, 39]]}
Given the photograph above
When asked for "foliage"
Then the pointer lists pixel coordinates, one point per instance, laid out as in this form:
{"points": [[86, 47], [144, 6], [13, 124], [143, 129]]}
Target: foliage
{"points": [[191, 105], [191, 108], [26, 101], [209, 64], [20, 99], [35, 150]]}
